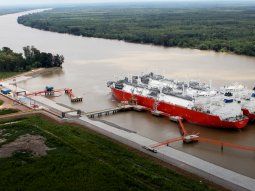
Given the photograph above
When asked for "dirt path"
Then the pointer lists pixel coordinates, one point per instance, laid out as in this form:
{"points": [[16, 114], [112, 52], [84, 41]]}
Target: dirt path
{"points": [[34, 144]]}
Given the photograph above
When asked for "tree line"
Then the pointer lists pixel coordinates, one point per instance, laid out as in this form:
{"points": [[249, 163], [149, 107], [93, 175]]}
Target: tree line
{"points": [[11, 61], [227, 29]]}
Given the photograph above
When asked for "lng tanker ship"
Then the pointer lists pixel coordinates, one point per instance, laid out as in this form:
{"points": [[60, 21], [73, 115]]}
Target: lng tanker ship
{"points": [[195, 103], [235, 92]]}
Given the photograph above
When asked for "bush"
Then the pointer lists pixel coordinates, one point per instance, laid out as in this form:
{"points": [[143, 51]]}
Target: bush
{"points": [[8, 111]]}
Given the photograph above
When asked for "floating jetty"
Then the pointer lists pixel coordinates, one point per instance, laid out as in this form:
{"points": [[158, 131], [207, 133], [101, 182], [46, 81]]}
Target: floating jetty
{"points": [[73, 98], [125, 107], [109, 111]]}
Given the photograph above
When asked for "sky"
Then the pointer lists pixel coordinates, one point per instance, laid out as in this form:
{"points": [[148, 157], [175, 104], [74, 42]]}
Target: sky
{"points": [[34, 2]]}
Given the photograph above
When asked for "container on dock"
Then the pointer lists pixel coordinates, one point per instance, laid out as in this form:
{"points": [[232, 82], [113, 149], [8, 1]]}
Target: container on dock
{"points": [[228, 100], [6, 91]]}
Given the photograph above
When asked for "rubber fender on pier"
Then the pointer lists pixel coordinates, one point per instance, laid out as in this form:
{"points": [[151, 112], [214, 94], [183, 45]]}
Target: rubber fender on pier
{"points": [[76, 100]]}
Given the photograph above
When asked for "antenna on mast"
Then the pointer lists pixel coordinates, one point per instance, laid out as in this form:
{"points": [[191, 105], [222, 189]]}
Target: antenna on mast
{"points": [[183, 89]]}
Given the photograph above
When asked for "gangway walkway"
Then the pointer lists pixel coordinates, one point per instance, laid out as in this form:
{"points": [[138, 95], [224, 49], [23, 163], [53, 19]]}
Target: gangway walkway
{"points": [[109, 111]]}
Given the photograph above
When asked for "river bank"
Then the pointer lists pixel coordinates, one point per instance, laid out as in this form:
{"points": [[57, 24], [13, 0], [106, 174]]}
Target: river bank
{"points": [[91, 62], [11, 75], [23, 76]]}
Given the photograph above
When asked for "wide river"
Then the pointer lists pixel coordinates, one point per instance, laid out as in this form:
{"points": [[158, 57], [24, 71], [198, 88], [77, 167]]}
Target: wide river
{"points": [[91, 62]]}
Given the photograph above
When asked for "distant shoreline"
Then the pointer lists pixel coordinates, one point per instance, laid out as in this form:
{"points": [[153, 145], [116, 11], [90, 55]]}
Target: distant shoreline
{"points": [[31, 74], [174, 29], [8, 10]]}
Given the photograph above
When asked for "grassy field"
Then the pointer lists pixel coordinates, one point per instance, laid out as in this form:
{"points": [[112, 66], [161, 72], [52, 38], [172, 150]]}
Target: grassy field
{"points": [[82, 160], [4, 75], [1, 102], [225, 29]]}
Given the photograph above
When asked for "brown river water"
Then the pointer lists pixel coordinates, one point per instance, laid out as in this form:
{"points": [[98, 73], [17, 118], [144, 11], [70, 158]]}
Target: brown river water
{"points": [[91, 62]]}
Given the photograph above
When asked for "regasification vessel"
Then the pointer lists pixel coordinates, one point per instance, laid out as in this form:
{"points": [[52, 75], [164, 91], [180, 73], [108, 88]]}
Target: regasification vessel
{"points": [[194, 102]]}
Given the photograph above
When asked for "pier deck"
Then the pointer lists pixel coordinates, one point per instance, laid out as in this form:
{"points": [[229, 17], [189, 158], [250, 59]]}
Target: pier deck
{"points": [[109, 111]]}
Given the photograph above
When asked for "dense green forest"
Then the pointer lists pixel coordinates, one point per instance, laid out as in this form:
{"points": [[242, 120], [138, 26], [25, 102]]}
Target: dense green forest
{"points": [[226, 29], [11, 61]]}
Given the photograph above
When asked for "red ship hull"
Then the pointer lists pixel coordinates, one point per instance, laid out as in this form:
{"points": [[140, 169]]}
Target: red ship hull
{"points": [[248, 114], [189, 115]]}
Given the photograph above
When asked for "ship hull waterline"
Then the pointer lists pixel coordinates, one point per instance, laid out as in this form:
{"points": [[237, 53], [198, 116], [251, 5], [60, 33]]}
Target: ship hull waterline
{"points": [[188, 115]]}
